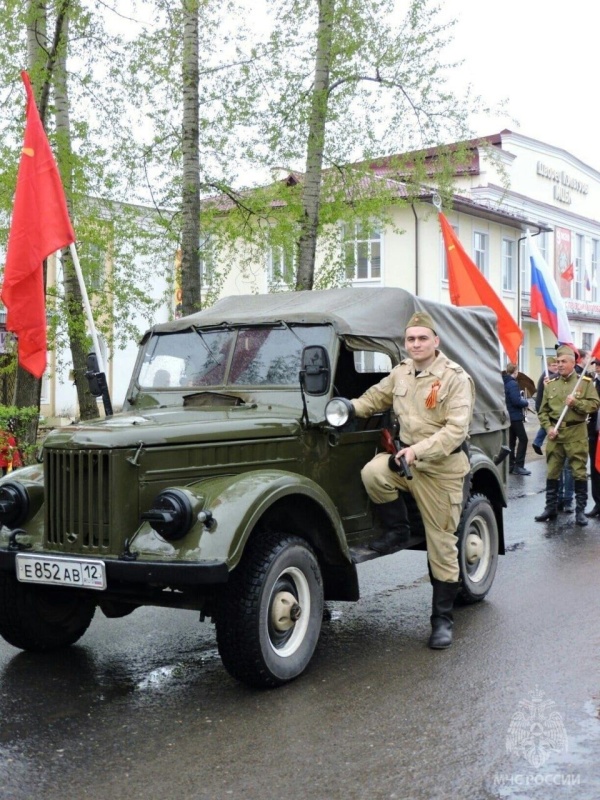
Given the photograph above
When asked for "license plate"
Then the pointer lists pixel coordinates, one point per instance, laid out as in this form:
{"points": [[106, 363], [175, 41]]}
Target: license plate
{"points": [[61, 571]]}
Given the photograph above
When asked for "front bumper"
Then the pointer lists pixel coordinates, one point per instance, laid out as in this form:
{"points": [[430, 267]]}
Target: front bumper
{"points": [[123, 572]]}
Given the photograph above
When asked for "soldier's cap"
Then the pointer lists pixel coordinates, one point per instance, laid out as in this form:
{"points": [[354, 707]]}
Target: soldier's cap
{"points": [[421, 319], [565, 350]]}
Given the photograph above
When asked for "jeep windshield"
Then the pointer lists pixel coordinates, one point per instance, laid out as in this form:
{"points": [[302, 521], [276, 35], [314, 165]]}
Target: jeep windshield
{"points": [[249, 356]]}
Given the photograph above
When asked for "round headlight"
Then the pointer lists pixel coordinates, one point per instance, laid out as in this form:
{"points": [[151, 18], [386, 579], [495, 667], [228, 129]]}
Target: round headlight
{"points": [[339, 411], [171, 515], [14, 504]]}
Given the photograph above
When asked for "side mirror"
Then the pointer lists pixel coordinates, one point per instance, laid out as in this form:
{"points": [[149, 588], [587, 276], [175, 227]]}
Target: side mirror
{"points": [[96, 379], [315, 370]]}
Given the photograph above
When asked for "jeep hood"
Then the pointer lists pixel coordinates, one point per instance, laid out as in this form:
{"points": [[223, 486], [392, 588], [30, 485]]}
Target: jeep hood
{"points": [[164, 426]]}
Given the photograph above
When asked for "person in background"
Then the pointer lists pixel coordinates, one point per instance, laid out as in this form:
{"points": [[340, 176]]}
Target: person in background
{"points": [[569, 440], [566, 486], [543, 380], [10, 456], [516, 404], [593, 426]]}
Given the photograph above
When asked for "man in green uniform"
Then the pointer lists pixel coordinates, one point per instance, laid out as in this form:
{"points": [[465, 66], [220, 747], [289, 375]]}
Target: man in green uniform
{"points": [[433, 399], [569, 440]]}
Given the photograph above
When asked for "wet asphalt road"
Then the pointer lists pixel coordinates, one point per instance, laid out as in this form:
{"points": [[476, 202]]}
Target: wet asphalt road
{"points": [[141, 707]]}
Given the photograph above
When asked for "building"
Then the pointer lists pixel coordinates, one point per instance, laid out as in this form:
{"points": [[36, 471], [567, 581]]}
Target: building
{"points": [[509, 184]]}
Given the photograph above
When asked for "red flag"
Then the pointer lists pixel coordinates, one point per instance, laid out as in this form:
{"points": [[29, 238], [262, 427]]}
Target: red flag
{"points": [[468, 287], [40, 226], [596, 351], [568, 274]]}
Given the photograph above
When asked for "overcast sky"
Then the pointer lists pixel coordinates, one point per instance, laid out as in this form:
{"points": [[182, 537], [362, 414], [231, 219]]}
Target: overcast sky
{"points": [[541, 55]]}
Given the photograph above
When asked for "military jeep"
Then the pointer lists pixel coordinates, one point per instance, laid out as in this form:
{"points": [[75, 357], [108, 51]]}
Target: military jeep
{"points": [[222, 486]]}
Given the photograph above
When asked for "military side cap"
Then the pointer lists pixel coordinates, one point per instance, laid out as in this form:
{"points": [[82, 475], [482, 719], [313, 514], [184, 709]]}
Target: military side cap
{"points": [[565, 350], [421, 319]]}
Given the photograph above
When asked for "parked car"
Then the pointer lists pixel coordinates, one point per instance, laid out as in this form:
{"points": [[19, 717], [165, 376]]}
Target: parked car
{"points": [[223, 487]]}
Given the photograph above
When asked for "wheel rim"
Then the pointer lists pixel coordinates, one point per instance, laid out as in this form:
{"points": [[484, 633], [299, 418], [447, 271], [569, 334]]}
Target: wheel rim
{"points": [[288, 612], [477, 549]]}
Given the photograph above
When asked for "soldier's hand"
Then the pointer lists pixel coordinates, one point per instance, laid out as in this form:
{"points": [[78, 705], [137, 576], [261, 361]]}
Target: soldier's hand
{"points": [[553, 434], [408, 454], [570, 401]]}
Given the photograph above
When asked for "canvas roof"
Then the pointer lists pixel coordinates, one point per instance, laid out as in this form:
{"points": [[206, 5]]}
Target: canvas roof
{"points": [[375, 318]]}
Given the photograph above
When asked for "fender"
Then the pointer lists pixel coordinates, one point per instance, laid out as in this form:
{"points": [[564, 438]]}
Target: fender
{"points": [[486, 478], [237, 503]]}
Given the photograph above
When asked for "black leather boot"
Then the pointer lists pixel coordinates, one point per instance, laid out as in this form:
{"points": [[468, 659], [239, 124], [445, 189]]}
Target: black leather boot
{"points": [[550, 511], [442, 619], [581, 495], [394, 521]]}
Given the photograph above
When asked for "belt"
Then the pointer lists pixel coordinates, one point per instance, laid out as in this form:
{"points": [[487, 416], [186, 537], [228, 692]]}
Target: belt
{"points": [[570, 423], [460, 449]]}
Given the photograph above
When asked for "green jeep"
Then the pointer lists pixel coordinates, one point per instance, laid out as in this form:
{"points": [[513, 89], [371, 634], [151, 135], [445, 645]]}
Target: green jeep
{"points": [[223, 487]]}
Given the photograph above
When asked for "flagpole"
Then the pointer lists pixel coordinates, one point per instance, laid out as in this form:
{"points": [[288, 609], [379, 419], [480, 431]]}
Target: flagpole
{"points": [[541, 327], [96, 372], [86, 305]]}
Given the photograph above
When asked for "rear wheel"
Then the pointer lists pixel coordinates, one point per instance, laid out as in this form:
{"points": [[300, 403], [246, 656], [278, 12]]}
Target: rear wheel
{"points": [[269, 619], [38, 618], [477, 549]]}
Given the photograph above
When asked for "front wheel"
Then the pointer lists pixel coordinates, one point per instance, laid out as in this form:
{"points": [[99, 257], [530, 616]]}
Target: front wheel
{"points": [[269, 619], [38, 618], [477, 549]]}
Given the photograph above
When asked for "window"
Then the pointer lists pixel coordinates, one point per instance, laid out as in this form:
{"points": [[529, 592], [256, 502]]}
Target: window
{"points": [[509, 272], [445, 254], [370, 361], [207, 262], [587, 342], [93, 256], [481, 251], [595, 267], [579, 268], [282, 265], [361, 252]]}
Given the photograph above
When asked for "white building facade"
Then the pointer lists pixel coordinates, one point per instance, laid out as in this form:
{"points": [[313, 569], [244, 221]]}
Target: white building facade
{"points": [[524, 184]]}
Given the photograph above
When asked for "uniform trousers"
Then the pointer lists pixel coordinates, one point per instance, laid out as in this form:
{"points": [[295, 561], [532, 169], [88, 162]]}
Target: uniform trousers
{"points": [[571, 443], [438, 491]]}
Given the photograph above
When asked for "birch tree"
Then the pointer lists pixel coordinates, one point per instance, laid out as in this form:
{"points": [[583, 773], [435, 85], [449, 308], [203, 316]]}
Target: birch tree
{"points": [[371, 82], [93, 149]]}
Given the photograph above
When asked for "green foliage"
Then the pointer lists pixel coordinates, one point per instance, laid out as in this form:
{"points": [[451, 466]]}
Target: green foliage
{"points": [[19, 422]]}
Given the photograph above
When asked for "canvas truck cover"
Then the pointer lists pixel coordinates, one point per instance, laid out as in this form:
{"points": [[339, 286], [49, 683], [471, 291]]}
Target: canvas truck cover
{"points": [[375, 319]]}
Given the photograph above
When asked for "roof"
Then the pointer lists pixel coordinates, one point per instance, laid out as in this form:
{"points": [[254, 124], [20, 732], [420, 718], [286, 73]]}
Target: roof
{"points": [[375, 318]]}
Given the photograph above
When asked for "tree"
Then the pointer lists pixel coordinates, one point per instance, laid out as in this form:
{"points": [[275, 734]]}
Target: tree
{"points": [[94, 155], [190, 156], [364, 86]]}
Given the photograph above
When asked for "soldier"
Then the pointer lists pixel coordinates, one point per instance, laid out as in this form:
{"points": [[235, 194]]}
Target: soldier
{"points": [[570, 439], [433, 399]]}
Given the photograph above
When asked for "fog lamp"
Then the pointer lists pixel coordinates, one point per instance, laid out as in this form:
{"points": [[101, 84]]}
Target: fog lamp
{"points": [[339, 411], [14, 504]]}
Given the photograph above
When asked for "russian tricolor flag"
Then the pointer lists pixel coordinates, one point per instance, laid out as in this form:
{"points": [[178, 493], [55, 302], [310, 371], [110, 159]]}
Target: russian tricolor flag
{"points": [[546, 300]]}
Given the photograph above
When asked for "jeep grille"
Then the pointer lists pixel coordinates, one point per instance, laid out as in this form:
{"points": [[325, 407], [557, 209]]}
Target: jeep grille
{"points": [[78, 499]]}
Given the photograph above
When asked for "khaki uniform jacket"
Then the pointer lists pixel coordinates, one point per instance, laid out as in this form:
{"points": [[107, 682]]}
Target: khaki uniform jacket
{"points": [[433, 432], [553, 402]]}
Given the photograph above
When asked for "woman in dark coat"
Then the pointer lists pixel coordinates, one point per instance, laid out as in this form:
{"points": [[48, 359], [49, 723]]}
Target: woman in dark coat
{"points": [[515, 403]]}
